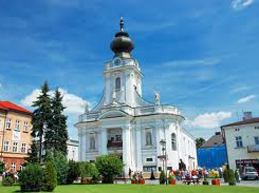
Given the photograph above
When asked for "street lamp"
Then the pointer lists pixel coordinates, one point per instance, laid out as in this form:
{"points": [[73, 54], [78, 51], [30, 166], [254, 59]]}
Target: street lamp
{"points": [[163, 144]]}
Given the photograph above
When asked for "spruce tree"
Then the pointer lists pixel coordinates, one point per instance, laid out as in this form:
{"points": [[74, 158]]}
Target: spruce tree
{"points": [[33, 153], [41, 116], [56, 135]]}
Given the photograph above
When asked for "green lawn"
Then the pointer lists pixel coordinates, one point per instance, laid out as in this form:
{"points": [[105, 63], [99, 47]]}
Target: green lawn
{"points": [[144, 189]]}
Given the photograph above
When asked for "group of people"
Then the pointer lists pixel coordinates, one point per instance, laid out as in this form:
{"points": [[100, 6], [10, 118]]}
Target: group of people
{"points": [[12, 173], [197, 176]]}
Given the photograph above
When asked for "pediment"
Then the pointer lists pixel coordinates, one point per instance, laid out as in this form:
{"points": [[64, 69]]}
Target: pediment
{"points": [[113, 114]]}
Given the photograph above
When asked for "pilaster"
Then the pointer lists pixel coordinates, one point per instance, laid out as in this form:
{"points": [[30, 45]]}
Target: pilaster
{"points": [[83, 145], [103, 149], [126, 147], [138, 149]]}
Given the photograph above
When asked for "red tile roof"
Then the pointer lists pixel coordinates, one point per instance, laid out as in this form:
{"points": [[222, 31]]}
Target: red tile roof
{"points": [[247, 121], [6, 105]]}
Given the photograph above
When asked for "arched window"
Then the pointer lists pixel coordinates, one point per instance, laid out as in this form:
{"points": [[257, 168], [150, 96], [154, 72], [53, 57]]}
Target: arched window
{"points": [[118, 84], [173, 138], [148, 137], [92, 141]]}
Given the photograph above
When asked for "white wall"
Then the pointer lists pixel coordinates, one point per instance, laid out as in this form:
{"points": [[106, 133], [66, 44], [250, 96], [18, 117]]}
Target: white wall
{"points": [[248, 132]]}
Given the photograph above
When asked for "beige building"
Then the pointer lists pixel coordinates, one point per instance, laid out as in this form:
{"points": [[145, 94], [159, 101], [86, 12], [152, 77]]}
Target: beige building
{"points": [[242, 141], [15, 135]]}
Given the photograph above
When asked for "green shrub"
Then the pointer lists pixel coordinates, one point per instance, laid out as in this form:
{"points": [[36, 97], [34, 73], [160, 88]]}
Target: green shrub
{"points": [[109, 166], [162, 178], [32, 178], [231, 177], [95, 175], [225, 175], [50, 176], [61, 165], [7, 181], [73, 171]]}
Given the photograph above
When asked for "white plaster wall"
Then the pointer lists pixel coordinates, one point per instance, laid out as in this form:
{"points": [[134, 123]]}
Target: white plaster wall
{"points": [[248, 132]]}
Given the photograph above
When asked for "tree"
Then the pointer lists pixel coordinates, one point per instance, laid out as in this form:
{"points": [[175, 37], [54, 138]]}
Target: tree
{"points": [[162, 178], [56, 134], [73, 171], [2, 167], [199, 142], [41, 116], [61, 165], [33, 153], [231, 177], [32, 178], [50, 175], [109, 166]]}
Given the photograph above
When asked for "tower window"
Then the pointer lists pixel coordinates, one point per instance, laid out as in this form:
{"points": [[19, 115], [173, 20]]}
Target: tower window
{"points": [[118, 84]]}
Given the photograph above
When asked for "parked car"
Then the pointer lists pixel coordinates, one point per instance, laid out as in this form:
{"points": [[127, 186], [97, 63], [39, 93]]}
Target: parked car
{"points": [[249, 173]]}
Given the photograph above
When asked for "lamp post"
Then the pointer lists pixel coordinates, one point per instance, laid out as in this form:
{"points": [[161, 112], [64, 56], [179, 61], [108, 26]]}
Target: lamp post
{"points": [[163, 144]]}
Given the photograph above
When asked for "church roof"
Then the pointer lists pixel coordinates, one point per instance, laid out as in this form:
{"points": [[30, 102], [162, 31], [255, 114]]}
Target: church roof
{"points": [[122, 42]]}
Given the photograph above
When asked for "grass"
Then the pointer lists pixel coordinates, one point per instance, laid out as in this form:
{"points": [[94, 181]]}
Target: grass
{"points": [[119, 188]]}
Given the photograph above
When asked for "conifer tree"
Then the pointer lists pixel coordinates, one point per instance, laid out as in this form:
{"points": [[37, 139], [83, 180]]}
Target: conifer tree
{"points": [[41, 116], [56, 135], [33, 153]]}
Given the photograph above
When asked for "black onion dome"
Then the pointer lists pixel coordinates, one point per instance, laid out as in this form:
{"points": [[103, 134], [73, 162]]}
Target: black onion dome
{"points": [[122, 42]]}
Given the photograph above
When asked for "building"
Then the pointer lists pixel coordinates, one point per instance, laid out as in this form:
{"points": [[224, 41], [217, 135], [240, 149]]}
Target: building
{"points": [[212, 154], [242, 141], [72, 149], [124, 123], [15, 135]]}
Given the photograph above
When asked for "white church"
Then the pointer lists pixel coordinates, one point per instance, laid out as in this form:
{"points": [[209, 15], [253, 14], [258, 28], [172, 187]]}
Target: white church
{"points": [[142, 133]]}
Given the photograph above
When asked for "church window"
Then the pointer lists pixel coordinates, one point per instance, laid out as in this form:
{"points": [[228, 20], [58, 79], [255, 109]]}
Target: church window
{"points": [[92, 141], [149, 159], [118, 84], [149, 168], [173, 138], [148, 137]]}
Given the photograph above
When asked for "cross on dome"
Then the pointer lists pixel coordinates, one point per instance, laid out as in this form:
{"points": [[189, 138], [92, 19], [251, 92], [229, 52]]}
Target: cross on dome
{"points": [[121, 24]]}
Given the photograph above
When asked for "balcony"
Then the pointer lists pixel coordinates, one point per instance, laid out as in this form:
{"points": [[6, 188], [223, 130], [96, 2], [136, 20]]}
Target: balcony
{"points": [[253, 148], [114, 145]]}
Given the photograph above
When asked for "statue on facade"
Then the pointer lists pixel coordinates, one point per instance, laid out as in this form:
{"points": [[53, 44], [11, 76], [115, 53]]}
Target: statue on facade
{"points": [[148, 138], [157, 97], [92, 142]]}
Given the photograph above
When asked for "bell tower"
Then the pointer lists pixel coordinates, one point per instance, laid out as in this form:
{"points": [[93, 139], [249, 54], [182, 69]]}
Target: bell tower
{"points": [[122, 75]]}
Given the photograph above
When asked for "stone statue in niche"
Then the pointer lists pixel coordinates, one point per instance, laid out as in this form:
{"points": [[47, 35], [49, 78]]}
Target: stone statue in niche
{"points": [[148, 138], [92, 141]]}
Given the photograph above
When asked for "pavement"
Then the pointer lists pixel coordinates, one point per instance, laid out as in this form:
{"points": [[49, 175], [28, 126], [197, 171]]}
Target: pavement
{"points": [[251, 183]]}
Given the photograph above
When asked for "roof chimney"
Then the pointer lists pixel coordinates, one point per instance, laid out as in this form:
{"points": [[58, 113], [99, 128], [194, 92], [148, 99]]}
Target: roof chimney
{"points": [[247, 115], [218, 133]]}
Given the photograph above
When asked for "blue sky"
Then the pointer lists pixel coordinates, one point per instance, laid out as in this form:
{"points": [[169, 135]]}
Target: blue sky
{"points": [[201, 55]]}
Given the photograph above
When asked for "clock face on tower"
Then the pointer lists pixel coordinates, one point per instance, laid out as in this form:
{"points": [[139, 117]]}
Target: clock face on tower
{"points": [[117, 61]]}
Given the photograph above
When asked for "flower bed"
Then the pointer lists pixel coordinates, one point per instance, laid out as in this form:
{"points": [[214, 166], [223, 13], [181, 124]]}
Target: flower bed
{"points": [[137, 178]]}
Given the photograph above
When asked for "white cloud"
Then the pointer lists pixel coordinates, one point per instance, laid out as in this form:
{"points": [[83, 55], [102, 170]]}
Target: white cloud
{"points": [[239, 89], [208, 120], [73, 103], [204, 62], [246, 99], [239, 5]]}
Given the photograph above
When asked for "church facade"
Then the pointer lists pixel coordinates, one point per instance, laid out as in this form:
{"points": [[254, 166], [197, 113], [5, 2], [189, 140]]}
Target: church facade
{"points": [[148, 136]]}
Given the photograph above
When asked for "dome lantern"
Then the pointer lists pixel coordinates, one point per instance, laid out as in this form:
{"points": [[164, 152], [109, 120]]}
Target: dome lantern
{"points": [[122, 45]]}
